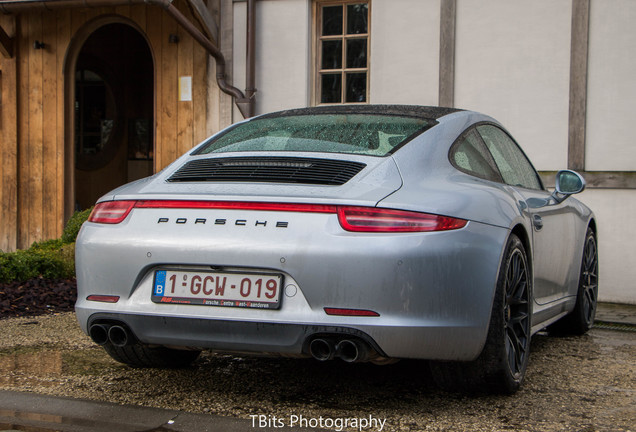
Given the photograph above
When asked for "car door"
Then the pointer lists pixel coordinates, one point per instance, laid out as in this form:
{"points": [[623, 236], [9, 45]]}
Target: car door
{"points": [[553, 225]]}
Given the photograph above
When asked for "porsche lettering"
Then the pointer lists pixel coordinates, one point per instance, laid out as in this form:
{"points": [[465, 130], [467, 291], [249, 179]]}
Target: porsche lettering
{"points": [[237, 222]]}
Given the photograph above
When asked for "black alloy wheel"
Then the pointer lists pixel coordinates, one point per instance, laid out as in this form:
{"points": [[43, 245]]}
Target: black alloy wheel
{"points": [[581, 319], [517, 312], [588, 283]]}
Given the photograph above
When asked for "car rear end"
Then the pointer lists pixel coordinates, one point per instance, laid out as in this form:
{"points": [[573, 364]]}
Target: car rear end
{"points": [[284, 267]]}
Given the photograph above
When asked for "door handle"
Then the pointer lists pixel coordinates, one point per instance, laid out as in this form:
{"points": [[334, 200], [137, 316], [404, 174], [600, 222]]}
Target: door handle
{"points": [[537, 221]]}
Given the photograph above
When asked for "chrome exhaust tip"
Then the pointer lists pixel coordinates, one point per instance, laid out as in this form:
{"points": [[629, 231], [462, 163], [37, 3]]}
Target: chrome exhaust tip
{"points": [[322, 349], [352, 351], [119, 336], [98, 333]]}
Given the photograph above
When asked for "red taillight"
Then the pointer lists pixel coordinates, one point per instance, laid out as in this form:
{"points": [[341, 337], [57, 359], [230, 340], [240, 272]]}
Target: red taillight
{"points": [[356, 219], [350, 312], [371, 219], [111, 212]]}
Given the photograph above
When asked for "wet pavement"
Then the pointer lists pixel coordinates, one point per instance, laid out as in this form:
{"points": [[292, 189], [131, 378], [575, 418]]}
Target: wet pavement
{"points": [[32, 412], [585, 383], [618, 314], [40, 413]]}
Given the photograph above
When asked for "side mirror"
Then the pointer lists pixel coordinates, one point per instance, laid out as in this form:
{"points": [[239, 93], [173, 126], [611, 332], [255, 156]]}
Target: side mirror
{"points": [[568, 183]]}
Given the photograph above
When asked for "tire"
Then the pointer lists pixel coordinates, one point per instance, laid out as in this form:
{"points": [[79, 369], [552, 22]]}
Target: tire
{"points": [[502, 364], [581, 319], [138, 355]]}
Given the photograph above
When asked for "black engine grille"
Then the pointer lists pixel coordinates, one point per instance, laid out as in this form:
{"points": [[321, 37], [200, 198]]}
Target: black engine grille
{"points": [[268, 170]]}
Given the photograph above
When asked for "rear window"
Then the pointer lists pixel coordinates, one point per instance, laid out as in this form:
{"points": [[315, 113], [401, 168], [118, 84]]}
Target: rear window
{"points": [[366, 134]]}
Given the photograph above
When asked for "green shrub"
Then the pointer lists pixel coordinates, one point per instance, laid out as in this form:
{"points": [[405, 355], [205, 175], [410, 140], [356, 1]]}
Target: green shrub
{"points": [[26, 264], [74, 224], [47, 245], [51, 259]]}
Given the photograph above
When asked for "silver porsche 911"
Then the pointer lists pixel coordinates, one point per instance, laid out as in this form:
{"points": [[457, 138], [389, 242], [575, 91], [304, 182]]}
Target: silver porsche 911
{"points": [[366, 233]]}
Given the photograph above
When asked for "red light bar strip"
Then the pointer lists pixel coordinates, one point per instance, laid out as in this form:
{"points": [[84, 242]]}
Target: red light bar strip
{"points": [[103, 298], [355, 219], [236, 205], [350, 312]]}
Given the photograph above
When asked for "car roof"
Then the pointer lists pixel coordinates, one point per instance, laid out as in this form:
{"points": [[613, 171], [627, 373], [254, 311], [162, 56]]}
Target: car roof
{"points": [[424, 112]]}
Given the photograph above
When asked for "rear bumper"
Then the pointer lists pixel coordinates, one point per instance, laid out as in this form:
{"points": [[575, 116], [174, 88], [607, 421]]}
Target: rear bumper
{"points": [[228, 336], [289, 339], [433, 291]]}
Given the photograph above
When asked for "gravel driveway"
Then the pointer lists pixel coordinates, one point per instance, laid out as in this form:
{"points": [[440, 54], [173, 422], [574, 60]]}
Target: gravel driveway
{"points": [[578, 384]]}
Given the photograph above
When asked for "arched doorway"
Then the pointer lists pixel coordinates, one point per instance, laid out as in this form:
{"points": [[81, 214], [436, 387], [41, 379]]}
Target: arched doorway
{"points": [[112, 99]]}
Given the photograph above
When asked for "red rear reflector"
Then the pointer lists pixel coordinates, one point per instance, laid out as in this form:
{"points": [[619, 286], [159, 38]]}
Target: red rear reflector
{"points": [[103, 298], [371, 219], [111, 212], [350, 312]]}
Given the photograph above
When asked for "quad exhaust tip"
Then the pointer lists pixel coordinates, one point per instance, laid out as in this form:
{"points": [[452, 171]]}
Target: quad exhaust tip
{"points": [[348, 350], [99, 334], [322, 349], [117, 334], [352, 350]]}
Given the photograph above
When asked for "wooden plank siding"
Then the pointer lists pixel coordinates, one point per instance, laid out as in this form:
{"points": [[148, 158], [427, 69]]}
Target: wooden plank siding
{"points": [[185, 68], [34, 145], [8, 144], [168, 115], [63, 39], [23, 128], [49, 139]]}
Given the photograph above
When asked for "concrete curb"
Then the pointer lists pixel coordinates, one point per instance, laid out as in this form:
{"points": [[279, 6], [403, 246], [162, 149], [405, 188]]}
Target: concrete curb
{"points": [[613, 313]]}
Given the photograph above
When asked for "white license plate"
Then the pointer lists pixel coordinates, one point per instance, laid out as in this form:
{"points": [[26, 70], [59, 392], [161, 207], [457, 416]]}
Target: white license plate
{"points": [[247, 290]]}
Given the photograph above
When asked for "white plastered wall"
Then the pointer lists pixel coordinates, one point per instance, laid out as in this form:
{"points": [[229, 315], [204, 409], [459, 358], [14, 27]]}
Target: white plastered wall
{"points": [[512, 61], [404, 52], [282, 53], [611, 87], [611, 92], [404, 59], [614, 210]]}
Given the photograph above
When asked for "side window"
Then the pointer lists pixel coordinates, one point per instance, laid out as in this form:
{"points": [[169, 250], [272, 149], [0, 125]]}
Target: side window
{"points": [[514, 166], [468, 154]]}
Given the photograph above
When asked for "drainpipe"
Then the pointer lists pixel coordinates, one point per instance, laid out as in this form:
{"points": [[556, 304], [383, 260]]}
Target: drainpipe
{"points": [[244, 103], [205, 18], [250, 75]]}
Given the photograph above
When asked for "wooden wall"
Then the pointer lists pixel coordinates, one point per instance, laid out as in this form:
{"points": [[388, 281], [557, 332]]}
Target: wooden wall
{"points": [[8, 145], [32, 120]]}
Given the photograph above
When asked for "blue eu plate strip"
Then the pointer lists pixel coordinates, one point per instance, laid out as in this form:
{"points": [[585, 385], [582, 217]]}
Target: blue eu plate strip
{"points": [[160, 283]]}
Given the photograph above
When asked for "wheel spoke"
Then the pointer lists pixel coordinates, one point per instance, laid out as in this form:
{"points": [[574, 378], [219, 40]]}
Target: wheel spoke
{"points": [[590, 255], [590, 302], [516, 350], [515, 301], [589, 279], [517, 319], [516, 312], [511, 349]]}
